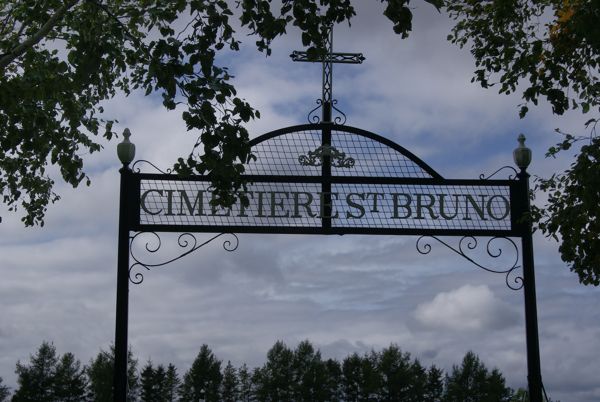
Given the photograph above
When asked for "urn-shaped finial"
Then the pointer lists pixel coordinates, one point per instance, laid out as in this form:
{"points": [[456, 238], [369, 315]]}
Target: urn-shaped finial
{"points": [[522, 154], [126, 149]]}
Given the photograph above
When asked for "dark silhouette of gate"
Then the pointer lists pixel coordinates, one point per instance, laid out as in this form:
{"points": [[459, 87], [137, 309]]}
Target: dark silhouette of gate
{"points": [[329, 178]]}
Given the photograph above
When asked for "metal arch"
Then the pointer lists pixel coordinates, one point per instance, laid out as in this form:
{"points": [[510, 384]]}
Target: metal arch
{"points": [[186, 241], [469, 244], [353, 130]]}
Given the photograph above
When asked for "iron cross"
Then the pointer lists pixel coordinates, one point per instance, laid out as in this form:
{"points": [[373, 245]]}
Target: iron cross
{"points": [[327, 61]]}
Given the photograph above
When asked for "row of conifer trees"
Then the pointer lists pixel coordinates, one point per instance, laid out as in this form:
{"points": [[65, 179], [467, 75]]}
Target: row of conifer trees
{"points": [[288, 375]]}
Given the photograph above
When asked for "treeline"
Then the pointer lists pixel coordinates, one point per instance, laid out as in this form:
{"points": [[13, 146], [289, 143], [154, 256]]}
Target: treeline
{"points": [[288, 375]]}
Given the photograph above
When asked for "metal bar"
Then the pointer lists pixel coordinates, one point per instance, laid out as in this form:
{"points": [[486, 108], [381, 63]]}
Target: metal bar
{"points": [[318, 230], [327, 95], [337, 57], [534, 371], [122, 305], [425, 181], [326, 208]]}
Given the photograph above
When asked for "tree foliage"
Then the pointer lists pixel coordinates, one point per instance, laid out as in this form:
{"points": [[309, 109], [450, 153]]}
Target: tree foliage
{"points": [[472, 382], [61, 60], [572, 215], [4, 391], [549, 50], [246, 387], [70, 379], [172, 384], [230, 385], [203, 380], [100, 376], [50, 378], [377, 376]]}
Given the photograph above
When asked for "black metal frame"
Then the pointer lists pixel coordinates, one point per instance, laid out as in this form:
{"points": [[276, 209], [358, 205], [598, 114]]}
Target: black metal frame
{"points": [[129, 220]]}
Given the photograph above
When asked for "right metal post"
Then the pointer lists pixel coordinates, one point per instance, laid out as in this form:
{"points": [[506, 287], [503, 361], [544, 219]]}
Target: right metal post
{"points": [[534, 374]]}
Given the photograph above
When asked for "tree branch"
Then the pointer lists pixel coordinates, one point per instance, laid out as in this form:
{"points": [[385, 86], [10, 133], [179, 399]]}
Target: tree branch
{"points": [[33, 40]]}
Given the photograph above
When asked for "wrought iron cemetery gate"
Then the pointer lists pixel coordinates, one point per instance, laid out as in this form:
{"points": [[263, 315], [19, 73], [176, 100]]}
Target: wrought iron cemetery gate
{"points": [[328, 178]]}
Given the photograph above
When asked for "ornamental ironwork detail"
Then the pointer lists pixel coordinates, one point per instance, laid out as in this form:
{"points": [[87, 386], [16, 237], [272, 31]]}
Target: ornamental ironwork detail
{"points": [[187, 243], [337, 117], [501, 250], [317, 157]]}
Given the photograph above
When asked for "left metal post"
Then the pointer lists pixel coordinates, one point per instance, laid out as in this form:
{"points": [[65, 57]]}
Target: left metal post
{"points": [[126, 152]]}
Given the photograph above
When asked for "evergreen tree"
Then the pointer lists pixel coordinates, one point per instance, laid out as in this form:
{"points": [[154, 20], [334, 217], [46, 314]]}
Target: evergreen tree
{"points": [[100, 377], [351, 377], [172, 384], [50, 378], [70, 381], [160, 381], [203, 379], [396, 376], [36, 381], [466, 382], [273, 380], [246, 389], [370, 385], [495, 387], [471, 382], [4, 392], [307, 373], [149, 386], [361, 379], [230, 385], [333, 380], [418, 383], [434, 389], [154, 384]]}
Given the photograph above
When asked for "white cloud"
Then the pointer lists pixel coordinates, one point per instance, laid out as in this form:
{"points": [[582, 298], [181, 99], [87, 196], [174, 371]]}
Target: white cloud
{"points": [[465, 309]]}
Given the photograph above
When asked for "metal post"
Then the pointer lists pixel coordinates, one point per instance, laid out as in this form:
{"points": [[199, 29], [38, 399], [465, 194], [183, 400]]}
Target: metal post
{"points": [[534, 372], [122, 314], [522, 158], [126, 153]]}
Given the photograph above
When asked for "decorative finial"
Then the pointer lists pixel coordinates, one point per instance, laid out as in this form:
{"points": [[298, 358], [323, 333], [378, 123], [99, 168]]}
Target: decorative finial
{"points": [[522, 154], [126, 149]]}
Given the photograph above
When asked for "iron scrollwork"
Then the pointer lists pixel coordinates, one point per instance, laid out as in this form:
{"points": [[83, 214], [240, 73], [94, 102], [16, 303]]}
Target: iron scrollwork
{"points": [[469, 244], [188, 242], [316, 157], [136, 168], [510, 176], [314, 117]]}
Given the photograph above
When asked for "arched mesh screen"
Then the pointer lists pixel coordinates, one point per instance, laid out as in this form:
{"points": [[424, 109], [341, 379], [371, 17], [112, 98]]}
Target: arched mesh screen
{"points": [[279, 155]]}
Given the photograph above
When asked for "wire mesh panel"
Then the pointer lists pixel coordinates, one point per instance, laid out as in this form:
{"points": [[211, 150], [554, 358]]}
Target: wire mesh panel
{"points": [[299, 150], [188, 203], [373, 158], [279, 155], [421, 206]]}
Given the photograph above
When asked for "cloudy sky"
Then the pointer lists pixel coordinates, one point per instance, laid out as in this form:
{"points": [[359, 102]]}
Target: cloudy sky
{"points": [[345, 294]]}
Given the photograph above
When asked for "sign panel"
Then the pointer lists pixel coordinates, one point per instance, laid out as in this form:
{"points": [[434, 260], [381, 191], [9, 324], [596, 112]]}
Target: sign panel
{"points": [[353, 182], [299, 207]]}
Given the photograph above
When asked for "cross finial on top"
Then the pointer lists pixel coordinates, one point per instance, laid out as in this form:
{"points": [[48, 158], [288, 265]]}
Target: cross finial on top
{"points": [[327, 61]]}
